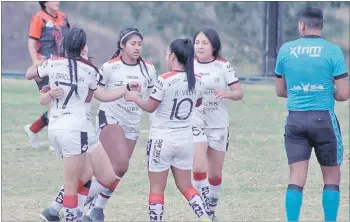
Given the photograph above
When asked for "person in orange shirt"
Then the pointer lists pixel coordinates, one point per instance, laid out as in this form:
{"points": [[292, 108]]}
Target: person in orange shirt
{"points": [[46, 33]]}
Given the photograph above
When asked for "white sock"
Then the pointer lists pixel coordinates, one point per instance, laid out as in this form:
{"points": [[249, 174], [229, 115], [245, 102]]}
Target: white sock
{"points": [[156, 207], [202, 187], [197, 206], [214, 196], [156, 212], [103, 198], [57, 204], [70, 214], [95, 189], [196, 203]]}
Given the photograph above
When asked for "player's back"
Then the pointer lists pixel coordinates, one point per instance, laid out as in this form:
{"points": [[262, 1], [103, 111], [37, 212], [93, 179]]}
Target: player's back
{"points": [[70, 109], [308, 65], [177, 101]]}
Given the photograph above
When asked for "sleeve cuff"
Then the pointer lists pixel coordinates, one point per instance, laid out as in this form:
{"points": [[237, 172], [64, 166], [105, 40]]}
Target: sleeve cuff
{"points": [[155, 99], [278, 75], [234, 82], [35, 38], [341, 76]]}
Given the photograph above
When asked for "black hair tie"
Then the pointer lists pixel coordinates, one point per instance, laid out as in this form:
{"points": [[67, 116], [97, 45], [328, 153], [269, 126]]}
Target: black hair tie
{"points": [[128, 87]]}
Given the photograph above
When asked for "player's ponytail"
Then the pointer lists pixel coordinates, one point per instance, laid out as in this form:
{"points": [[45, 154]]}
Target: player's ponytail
{"points": [[74, 44], [184, 52]]}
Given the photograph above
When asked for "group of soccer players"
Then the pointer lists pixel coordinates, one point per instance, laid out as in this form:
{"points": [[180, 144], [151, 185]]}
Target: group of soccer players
{"points": [[189, 120]]}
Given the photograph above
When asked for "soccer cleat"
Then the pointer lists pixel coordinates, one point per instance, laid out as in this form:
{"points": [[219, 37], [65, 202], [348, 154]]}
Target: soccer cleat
{"points": [[33, 137], [47, 216], [97, 214]]}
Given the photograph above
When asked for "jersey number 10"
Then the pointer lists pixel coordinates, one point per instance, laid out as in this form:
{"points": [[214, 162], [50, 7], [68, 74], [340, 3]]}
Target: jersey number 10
{"points": [[176, 107]]}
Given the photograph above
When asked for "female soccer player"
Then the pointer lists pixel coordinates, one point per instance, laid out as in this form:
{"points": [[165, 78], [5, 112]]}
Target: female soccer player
{"points": [[118, 122], [72, 78], [46, 32], [211, 121], [170, 143]]}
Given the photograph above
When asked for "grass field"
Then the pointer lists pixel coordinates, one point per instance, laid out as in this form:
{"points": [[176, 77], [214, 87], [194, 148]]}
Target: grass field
{"points": [[255, 172]]}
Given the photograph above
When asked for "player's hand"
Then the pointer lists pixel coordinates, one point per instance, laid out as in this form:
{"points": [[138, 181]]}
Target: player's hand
{"points": [[134, 86], [45, 89], [131, 96], [56, 92], [222, 94], [37, 63]]}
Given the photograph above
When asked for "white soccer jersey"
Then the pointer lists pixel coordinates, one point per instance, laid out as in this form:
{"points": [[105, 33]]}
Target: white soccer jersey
{"points": [[114, 74], [176, 101], [217, 74], [69, 111]]}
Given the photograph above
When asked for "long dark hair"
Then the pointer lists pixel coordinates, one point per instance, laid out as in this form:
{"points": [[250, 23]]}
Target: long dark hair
{"points": [[214, 39], [124, 36], [74, 43], [184, 52]]}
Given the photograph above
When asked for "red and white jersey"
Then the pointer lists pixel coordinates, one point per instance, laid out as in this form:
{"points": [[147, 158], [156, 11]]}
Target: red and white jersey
{"points": [[217, 74], [176, 100], [69, 111], [114, 74]]}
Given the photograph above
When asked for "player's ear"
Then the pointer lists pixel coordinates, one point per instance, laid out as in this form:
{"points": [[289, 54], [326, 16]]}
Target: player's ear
{"points": [[172, 56]]}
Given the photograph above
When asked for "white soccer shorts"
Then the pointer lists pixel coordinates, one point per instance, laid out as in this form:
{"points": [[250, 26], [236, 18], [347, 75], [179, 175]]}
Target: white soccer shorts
{"points": [[68, 143], [216, 138], [166, 148]]}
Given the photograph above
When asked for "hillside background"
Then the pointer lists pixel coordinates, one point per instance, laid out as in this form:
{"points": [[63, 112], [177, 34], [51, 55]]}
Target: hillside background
{"points": [[240, 25]]}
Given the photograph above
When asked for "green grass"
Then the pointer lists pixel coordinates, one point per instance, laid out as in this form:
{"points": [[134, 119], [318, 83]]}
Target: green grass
{"points": [[255, 171]]}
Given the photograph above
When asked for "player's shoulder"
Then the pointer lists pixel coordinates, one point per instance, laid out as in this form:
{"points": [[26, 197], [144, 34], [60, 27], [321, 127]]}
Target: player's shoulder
{"points": [[39, 14], [221, 60], [88, 68], [168, 75], [114, 61], [148, 63], [61, 14], [112, 64], [56, 59]]}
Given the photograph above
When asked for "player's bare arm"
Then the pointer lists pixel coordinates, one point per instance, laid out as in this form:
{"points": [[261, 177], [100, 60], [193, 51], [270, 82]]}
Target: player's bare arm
{"points": [[342, 89], [103, 95], [32, 49], [281, 87], [235, 93], [32, 71], [149, 105], [46, 96]]}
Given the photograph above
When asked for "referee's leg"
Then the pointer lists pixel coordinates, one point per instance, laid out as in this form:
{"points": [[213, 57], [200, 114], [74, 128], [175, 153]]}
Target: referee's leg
{"points": [[329, 153], [298, 149]]}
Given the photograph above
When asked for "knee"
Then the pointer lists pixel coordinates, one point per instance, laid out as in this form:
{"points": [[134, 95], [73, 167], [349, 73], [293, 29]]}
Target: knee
{"points": [[121, 167]]}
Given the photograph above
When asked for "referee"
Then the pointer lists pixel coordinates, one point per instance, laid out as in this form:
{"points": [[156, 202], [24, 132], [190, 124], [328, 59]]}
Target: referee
{"points": [[311, 73]]}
